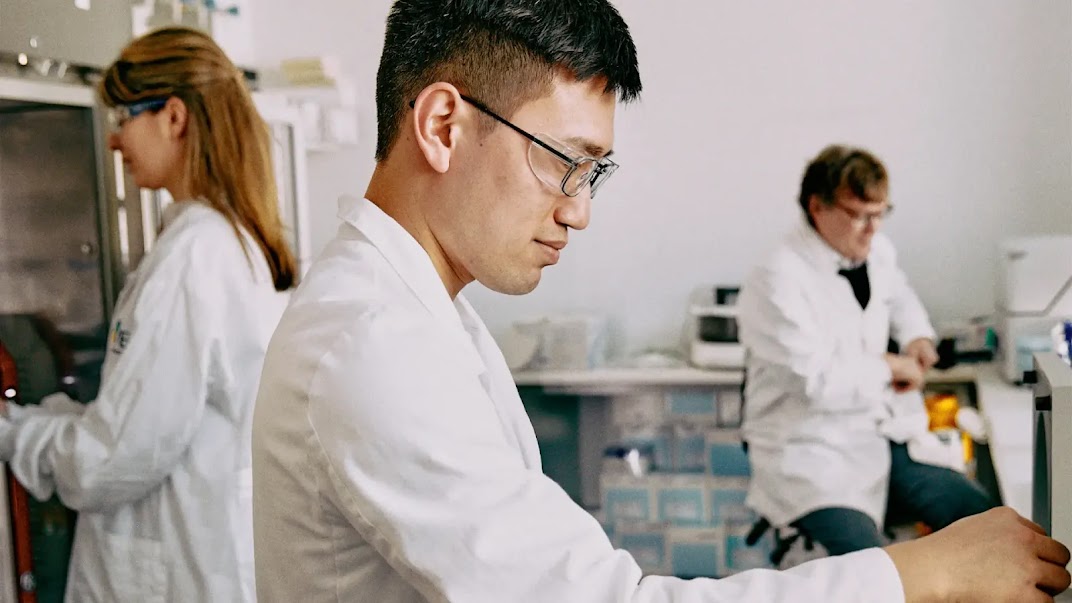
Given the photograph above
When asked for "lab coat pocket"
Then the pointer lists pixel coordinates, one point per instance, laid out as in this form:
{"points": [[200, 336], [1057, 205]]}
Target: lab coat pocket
{"points": [[135, 569]]}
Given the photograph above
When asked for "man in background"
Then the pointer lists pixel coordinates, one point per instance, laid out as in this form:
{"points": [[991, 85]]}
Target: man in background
{"points": [[816, 318]]}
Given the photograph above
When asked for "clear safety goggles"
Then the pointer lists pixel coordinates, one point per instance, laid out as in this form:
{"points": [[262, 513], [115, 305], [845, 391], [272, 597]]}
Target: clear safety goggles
{"points": [[119, 115]]}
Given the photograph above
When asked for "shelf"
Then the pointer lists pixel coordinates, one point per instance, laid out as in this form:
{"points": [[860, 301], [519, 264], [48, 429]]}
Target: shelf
{"points": [[684, 376], [618, 379]]}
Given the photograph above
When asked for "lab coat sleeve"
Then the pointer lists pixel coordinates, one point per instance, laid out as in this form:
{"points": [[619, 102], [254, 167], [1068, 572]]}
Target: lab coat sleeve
{"points": [[416, 460], [908, 318], [130, 438], [777, 328]]}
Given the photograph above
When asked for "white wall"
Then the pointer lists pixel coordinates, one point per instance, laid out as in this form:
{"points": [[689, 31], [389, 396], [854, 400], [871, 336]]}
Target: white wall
{"points": [[353, 31], [969, 102]]}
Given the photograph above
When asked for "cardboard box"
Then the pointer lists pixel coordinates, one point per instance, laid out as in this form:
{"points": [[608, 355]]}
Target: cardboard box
{"points": [[726, 501], [681, 500], [657, 438], [697, 553], [726, 456], [689, 448], [646, 542], [693, 404], [638, 409], [626, 498]]}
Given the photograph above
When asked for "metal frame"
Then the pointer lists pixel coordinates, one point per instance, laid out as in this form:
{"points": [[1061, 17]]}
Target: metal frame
{"points": [[274, 113]]}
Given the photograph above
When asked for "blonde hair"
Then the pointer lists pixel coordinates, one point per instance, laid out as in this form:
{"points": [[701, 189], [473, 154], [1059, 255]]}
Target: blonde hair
{"points": [[228, 153]]}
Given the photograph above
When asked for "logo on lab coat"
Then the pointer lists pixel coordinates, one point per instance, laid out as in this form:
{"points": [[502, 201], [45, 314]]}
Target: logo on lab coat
{"points": [[119, 339]]}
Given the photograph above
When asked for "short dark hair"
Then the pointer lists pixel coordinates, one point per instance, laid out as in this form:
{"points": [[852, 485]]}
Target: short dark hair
{"points": [[503, 52], [840, 167]]}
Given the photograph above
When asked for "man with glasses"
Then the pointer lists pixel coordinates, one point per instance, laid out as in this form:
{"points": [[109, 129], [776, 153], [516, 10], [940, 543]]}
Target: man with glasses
{"points": [[815, 320], [393, 459]]}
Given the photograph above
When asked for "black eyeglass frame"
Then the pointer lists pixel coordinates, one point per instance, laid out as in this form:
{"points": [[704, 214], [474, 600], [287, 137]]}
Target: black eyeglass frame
{"points": [[601, 171]]}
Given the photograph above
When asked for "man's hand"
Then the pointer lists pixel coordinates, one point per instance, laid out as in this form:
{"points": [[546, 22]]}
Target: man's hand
{"points": [[907, 374], [996, 556], [922, 350]]}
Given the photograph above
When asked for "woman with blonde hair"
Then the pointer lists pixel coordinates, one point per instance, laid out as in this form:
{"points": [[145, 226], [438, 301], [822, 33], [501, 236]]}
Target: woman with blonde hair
{"points": [[158, 466]]}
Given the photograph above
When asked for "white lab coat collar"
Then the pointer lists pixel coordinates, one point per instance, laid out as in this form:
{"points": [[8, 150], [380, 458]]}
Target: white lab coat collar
{"points": [[415, 267], [819, 251], [403, 252], [176, 209]]}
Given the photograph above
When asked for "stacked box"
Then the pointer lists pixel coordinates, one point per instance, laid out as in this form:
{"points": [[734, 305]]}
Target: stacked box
{"points": [[682, 500], [726, 496], [694, 405], [687, 518], [627, 498], [646, 542], [726, 456], [640, 420], [689, 448], [696, 553], [639, 409], [657, 439]]}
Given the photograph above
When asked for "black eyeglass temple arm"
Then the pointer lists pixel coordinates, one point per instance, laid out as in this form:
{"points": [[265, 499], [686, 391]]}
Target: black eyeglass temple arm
{"points": [[480, 106]]}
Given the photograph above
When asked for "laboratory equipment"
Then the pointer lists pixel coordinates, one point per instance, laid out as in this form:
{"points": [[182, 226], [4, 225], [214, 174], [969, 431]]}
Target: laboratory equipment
{"points": [[1052, 450], [1034, 293], [713, 341], [558, 342]]}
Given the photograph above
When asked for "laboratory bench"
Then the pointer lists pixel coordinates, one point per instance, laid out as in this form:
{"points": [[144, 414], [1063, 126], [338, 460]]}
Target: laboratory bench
{"points": [[675, 521], [1007, 408]]}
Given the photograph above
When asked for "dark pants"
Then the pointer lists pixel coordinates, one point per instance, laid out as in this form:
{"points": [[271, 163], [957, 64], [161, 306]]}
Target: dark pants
{"points": [[934, 495]]}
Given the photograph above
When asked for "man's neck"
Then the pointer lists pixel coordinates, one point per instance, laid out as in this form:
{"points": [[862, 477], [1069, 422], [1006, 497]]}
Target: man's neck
{"points": [[402, 203]]}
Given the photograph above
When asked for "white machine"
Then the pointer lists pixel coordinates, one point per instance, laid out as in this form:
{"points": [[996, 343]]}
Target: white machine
{"points": [[713, 341], [1052, 484], [1034, 294]]}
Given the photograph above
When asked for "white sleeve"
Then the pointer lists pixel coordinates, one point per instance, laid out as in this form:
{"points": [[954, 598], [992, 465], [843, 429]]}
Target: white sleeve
{"points": [[147, 412], [908, 318], [417, 461], [777, 328]]}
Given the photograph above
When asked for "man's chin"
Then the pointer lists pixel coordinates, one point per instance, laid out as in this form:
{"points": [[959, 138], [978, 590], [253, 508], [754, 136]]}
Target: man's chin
{"points": [[515, 286], [862, 253]]}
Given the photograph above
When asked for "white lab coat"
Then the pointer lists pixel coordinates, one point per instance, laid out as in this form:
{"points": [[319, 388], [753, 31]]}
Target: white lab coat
{"points": [[394, 462], [158, 467], [818, 385]]}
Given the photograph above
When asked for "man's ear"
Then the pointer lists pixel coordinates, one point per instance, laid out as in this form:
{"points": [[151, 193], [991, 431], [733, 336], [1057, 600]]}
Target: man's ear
{"points": [[814, 205], [438, 120]]}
